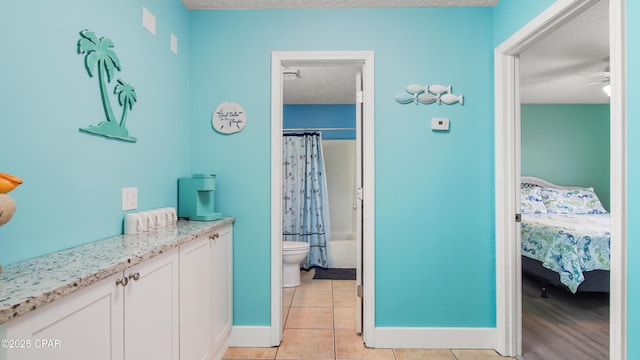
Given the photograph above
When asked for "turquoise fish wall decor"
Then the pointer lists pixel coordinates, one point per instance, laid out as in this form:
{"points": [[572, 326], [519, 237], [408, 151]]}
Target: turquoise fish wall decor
{"points": [[427, 94], [100, 59]]}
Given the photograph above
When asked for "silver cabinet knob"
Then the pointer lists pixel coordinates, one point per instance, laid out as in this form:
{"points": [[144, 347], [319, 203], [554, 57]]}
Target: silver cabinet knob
{"points": [[124, 281], [135, 276], [214, 236]]}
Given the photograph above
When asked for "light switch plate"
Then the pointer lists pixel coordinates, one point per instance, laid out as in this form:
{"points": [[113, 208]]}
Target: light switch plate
{"points": [[440, 124], [129, 198]]}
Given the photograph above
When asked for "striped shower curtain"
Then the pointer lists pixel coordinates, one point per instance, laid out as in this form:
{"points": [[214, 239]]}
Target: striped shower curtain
{"points": [[305, 200]]}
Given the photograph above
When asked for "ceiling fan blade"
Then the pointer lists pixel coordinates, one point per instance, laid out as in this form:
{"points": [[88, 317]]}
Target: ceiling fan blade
{"points": [[602, 74], [577, 86], [586, 84]]}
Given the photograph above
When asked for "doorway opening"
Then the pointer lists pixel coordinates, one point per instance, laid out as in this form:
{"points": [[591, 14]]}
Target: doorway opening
{"points": [[287, 65], [564, 139], [508, 171]]}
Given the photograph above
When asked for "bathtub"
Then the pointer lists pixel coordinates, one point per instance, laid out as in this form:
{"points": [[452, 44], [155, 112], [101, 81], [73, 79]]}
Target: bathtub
{"points": [[340, 168], [341, 250]]}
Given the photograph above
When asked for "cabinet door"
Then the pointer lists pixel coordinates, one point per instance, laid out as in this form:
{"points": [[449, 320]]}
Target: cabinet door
{"points": [[84, 325], [195, 300], [222, 262], [151, 309]]}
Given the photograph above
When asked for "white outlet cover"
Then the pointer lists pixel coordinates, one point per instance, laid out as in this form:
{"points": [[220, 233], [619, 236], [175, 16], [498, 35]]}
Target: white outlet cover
{"points": [[148, 20], [129, 198]]}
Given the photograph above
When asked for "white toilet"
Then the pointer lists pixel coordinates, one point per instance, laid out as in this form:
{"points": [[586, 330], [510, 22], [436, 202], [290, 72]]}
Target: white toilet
{"points": [[293, 252]]}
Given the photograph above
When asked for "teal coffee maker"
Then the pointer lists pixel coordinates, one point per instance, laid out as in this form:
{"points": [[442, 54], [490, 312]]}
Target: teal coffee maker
{"points": [[196, 197]]}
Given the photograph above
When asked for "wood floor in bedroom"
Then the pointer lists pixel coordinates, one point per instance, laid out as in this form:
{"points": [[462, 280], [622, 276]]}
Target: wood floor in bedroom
{"points": [[564, 325]]}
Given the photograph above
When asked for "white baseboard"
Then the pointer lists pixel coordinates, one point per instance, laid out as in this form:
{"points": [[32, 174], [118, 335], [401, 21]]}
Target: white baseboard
{"points": [[435, 338], [389, 337], [221, 348], [250, 336]]}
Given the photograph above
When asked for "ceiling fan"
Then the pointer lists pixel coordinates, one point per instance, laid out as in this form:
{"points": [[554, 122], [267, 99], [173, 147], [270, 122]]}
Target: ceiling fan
{"points": [[602, 76], [588, 78], [599, 77]]}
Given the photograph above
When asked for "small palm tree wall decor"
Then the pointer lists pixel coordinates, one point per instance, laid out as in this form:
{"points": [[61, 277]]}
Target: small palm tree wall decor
{"points": [[126, 97], [101, 61]]}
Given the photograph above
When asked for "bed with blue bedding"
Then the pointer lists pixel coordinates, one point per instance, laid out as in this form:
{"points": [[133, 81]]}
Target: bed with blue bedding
{"points": [[565, 235]]}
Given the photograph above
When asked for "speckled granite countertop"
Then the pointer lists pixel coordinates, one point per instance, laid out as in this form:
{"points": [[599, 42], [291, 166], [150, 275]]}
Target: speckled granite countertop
{"points": [[32, 283]]}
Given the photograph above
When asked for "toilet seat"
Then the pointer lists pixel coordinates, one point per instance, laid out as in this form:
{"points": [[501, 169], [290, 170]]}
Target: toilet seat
{"points": [[294, 245]]}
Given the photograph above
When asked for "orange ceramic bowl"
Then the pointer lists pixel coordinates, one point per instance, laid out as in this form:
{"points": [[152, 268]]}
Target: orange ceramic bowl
{"points": [[8, 182]]}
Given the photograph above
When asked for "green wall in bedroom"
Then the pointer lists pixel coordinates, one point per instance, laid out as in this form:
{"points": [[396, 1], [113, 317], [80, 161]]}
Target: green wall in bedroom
{"points": [[567, 144]]}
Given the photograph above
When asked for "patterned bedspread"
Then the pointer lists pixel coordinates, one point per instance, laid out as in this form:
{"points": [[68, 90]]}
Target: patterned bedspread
{"points": [[568, 244]]}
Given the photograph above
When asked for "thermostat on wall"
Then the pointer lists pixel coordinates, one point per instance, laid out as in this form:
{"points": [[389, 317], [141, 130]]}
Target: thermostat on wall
{"points": [[439, 124]]}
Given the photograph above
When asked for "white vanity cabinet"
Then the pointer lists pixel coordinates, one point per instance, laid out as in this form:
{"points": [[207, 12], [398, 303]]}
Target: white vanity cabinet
{"points": [[129, 315], [222, 316], [151, 309], [87, 324], [195, 300], [175, 305], [206, 295]]}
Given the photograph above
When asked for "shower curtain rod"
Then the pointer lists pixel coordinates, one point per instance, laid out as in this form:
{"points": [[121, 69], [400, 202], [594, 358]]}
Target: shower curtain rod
{"points": [[318, 129]]}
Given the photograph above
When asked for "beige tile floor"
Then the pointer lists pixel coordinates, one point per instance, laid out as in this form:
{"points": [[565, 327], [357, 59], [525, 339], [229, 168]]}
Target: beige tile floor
{"points": [[319, 324]]}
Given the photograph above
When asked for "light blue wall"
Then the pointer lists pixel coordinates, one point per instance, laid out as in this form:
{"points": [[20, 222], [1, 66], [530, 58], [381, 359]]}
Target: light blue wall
{"points": [[71, 193], [511, 15], [568, 144], [435, 247], [72, 181], [633, 168], [335, 116]]}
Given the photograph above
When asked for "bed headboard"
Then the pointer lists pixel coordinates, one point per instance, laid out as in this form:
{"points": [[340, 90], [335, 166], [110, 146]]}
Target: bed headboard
{"points": [[531, 182]]}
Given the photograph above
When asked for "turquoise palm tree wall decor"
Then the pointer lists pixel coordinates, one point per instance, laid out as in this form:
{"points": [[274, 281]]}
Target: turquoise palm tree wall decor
{"points": [[126, 97], [101, 59]]}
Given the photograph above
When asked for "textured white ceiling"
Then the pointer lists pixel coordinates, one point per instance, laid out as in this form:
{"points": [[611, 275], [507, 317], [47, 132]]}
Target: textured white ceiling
{"points": [[321, 85], [308, 4], [569, 66]]}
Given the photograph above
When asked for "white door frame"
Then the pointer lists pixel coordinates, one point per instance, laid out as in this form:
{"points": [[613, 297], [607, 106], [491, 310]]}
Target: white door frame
{"points": [[278, 60], [508, 273], [357, 202]]}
